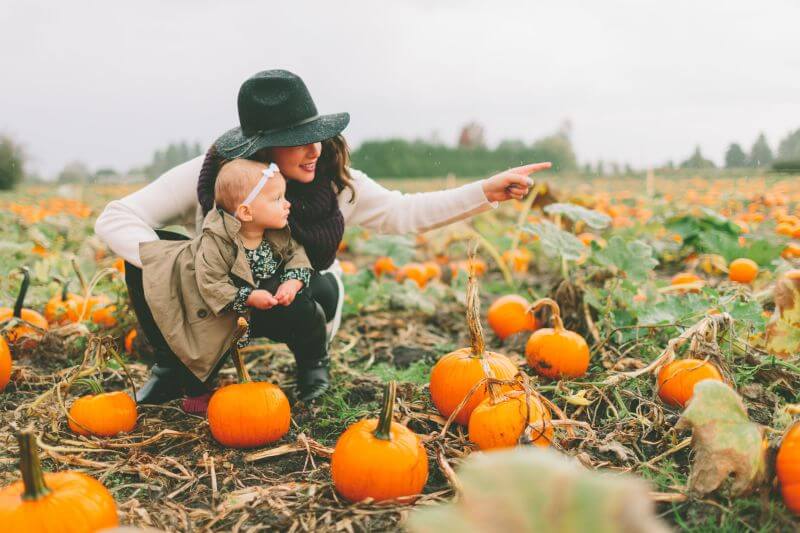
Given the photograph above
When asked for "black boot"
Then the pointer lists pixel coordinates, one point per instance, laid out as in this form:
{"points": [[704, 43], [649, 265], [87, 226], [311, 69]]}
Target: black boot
{"points": [[310, 350], [313, 382], [164, 385]]}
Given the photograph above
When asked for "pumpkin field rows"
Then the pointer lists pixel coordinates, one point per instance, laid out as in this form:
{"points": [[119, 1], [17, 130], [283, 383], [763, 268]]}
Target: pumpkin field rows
{"points": [[648, 329]]}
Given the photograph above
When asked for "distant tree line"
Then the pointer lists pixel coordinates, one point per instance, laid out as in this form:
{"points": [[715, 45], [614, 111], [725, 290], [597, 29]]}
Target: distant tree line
{"points": [[761, 155], [12, 163], [401, 158]]}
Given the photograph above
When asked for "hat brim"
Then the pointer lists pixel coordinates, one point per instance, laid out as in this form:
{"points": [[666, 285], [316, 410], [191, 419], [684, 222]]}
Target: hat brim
{"points": [[235, 144]]}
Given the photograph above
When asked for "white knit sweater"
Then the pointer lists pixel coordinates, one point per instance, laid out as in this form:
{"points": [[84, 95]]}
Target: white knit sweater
{"points": [[125, 223]]}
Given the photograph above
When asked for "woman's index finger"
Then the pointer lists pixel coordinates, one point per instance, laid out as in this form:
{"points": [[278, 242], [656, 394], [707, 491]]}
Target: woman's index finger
{"points": [[533, 167]]}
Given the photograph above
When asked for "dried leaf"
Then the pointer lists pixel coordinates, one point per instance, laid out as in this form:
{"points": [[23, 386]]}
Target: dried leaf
{"points": [[783, 330], [527, 489], [725, 441], [579, 398]]}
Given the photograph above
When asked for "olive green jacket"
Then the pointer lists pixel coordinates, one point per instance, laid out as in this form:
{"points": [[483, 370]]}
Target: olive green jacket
{"points": [[190, 288]]}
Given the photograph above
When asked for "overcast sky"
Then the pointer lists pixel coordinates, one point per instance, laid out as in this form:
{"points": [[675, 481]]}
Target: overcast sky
{"points": [[108, 82]]}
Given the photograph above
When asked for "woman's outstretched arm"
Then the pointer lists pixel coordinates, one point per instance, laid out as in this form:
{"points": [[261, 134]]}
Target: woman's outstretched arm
{"points": [[385, 211], [126, 222]]}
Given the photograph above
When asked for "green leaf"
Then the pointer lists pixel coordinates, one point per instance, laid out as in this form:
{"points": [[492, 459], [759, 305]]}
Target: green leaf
{"points": [[400, 248], [724, 439], [593, 219], [530, 489], [634, 259], [557, 242]]}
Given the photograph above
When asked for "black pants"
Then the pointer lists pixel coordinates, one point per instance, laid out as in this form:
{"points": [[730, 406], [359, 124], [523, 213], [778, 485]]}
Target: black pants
{"points": [[301, 325]]}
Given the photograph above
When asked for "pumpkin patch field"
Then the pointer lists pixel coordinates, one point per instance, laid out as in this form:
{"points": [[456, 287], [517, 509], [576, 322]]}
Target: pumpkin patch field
{"points": [[614, 354]]}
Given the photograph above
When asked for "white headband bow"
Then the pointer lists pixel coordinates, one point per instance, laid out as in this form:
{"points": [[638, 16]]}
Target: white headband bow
{"points": [[265, 175]]}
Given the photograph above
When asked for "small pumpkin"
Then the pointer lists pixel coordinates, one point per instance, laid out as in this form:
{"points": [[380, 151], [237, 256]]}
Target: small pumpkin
{"points": [[5, 364], [556, 352], [742, 270], [509, 315], [384, 265], [499, 421], [692, 281], [31, 321], [129, 339], [61, 501], [63, 307], [249, 413], [380, 459], [102, 414], [787, 466], [676, 380], [105, 316], [415, 272], [432, 270], [454, 375], [348, 267], [519, 259]]}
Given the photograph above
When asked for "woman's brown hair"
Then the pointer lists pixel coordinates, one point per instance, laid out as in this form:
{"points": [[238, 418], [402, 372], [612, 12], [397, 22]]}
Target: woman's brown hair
{"points": [[333, 161]]}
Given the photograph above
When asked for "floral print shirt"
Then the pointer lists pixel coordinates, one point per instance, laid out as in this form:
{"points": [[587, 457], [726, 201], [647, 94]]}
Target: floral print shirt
{"points": [[264, 265]]}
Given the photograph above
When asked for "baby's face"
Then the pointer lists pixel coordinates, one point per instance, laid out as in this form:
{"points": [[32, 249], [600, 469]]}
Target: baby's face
{"points": [[270, 208]]}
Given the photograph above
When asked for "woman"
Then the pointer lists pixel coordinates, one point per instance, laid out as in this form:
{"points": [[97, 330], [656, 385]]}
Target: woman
{"points": [[279, 123]]}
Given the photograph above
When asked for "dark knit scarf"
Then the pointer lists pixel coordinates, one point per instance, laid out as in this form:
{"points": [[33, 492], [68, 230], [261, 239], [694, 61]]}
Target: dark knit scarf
{"points": [[315, 218]]}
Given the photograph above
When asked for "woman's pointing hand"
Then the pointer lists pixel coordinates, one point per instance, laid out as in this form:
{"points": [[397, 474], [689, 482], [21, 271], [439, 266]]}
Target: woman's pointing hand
{"points": [[512, 183]]}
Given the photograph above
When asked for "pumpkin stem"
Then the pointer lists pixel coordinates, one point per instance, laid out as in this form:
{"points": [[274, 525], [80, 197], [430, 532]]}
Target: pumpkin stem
{"points": [[238, 362], [384, 429], [60, 281], [474, 309], [23, 290], [558, 324], [90, 383], [78, 272], [31, 468]]}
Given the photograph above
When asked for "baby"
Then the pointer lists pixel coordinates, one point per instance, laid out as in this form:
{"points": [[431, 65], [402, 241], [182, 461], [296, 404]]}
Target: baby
{"points": [[245, 258]]}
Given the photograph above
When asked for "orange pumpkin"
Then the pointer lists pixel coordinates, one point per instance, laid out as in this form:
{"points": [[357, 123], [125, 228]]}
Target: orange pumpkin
{"points": [[380, 459], [63, 307], [432, 270], [519, 259], [129, 338], [457, 373], [348, 267], [500, 420], [384, 265], [62, 501], [249, 413], [692, 281], [105, 414], [742, 270], [676, 380], [556, 352], [5, 364], [415, 272], [31, 321], [587, 239], [105, 316], [509, 315], [787, 466]]}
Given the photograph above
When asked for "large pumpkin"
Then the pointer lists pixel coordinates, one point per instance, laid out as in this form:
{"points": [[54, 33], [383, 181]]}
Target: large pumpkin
{"points": [[556, 352], [500, 420], [787, 466], [31, 321], [5, 364], [106, 414], [68, 502], [379, 458], [457, 373], [249, 413], [676, 380]]}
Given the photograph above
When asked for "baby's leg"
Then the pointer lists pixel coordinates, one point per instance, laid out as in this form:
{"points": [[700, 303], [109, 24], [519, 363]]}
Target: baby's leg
{"points": [[301, 325]]}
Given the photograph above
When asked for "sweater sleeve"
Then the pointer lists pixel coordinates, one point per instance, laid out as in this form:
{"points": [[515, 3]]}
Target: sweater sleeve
{"points": [[385, 211], [126, 222]]}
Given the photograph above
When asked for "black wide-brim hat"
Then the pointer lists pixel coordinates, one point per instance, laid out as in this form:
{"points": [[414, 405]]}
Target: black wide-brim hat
{"points": [[276, 109]]}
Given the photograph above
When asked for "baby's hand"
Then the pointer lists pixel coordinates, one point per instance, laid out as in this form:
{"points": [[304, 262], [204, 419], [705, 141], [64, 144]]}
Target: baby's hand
{"points": [[261, 299], [287, 291]]}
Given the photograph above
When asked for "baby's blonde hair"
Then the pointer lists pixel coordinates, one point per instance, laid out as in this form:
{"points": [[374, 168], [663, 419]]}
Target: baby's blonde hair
{"points": [[235, 180]]}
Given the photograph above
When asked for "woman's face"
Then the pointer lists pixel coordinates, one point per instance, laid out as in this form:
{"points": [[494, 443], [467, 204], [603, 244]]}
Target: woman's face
{"points": [[297, 163]]}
